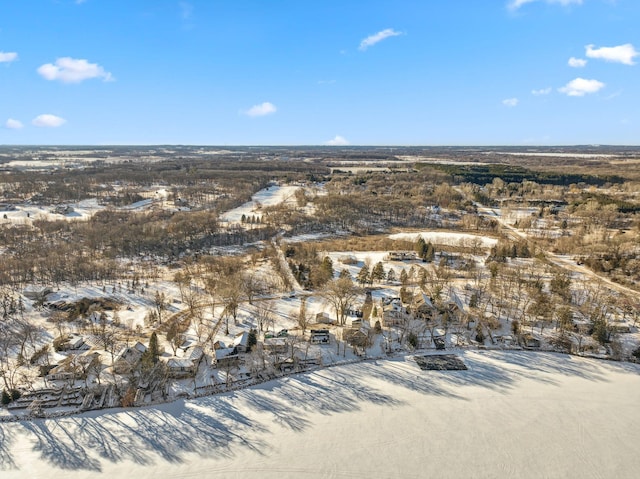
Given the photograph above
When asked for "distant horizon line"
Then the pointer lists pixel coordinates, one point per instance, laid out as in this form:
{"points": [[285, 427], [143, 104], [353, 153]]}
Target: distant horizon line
{"points": [[336, 147]]}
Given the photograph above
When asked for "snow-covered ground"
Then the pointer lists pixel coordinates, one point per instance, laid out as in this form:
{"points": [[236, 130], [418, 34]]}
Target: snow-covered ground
{"points": [[512, 414], [445, 237], [271, 196]]}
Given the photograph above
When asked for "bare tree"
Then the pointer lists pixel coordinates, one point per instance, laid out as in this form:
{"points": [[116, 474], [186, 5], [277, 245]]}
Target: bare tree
{"points": [[340, 293], [160, 303], [303, 316], [265, 315]]}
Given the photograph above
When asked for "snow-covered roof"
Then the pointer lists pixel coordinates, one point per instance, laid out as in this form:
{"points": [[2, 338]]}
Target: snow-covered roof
{"points": [[179, 363], [223, 353], [241, 339], [196, 353]]}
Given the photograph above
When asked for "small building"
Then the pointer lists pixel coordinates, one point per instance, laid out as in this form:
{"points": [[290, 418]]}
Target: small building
{"points": [[506, 340], [71, 342], [319, 336], [401, 256], [356, 338], [180, 368], [275, 345], [64, 371], [36, 293], [324, 318], [354, 322], [286, 365], [531, 341]]}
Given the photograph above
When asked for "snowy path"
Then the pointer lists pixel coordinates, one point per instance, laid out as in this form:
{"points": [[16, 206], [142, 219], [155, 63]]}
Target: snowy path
{"points": [[512, 414]]}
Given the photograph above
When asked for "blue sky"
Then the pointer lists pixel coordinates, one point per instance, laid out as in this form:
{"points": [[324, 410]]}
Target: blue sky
{"points": [[309, 72]]}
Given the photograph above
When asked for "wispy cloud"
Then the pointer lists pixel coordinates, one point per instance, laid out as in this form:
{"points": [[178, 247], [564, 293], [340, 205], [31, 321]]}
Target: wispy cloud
{"points": [[615, 94], [263, 109], [577, 62], [186, 10], [72, 70], [515, 4], [12, 124], [581, 87], [8, 57], [621, 54], [541, 91], [371, 40], [48, 121], [338, 141], [510, 102]]}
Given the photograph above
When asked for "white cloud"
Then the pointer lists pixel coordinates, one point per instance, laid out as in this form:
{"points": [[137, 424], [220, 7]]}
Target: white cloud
{"points": [[378, 37], [13, 124], [577, 62], [581, 87], [262, 109], [338, 141], [48, 121], [8, 57], [620, 54], [510, 102], [72, 70], [541, 91], [515, 4]]}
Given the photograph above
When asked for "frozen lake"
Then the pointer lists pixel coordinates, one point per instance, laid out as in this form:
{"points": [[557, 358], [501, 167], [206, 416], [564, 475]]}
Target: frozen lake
{"points": [[511, 414]]}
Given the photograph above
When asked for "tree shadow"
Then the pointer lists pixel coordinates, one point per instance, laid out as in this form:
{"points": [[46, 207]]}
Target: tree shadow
{"points": [[222, 426], [6, 459], [60, 448]]}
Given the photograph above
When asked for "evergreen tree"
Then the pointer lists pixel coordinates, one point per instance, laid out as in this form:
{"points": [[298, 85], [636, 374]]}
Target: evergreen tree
{"points": [[363, 275], [430, 252], [152, 353], [327, 266], [421, 247], [252, 340], [391, 275], [377, 274]]}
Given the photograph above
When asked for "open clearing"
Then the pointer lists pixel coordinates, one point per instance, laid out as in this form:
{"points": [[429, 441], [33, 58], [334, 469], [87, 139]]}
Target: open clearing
{"points": [[384, 418]]}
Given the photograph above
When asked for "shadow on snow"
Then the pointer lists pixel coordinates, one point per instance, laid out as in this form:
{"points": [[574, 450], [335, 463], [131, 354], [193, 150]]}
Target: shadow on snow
{"points": [[216, 427]]}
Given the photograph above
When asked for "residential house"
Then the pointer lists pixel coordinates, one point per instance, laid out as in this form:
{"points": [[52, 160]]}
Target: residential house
{"points": [[226, 358], [241, 342], [128, 358]]}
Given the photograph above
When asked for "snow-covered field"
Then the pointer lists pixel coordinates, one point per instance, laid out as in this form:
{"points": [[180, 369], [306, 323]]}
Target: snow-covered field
{"points": [[512, 414], [445, 237], [270, 196]]}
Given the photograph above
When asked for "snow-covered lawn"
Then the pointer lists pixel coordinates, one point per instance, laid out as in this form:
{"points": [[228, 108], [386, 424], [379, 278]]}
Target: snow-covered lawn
{"points": [[511, 414], [446, 237]]}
